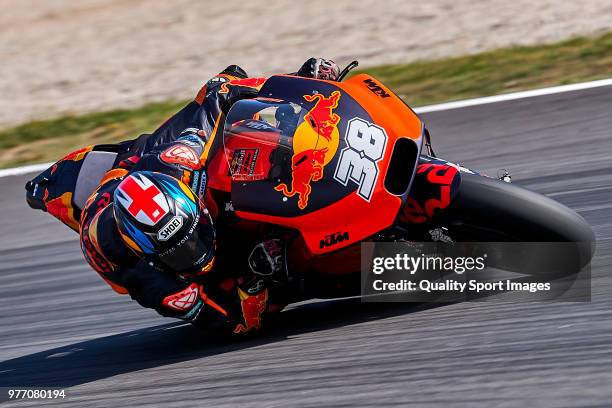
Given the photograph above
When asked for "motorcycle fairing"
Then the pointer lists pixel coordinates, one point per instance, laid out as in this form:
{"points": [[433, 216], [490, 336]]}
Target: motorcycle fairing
{"points": [[263, 159]]}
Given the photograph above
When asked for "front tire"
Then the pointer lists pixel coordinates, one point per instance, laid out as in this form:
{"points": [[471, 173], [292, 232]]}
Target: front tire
{"points": [[489, 210]]}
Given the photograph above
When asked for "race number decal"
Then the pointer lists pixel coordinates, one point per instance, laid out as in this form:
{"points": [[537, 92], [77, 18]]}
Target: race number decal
{"points": [[366, 146]]}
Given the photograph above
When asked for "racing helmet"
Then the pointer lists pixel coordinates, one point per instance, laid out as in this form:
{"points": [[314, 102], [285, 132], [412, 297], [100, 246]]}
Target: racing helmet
{"points": [[162, 220]]}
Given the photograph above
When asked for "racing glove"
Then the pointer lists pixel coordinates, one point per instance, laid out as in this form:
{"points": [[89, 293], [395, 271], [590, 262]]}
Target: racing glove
{"points": [[320, 68], [195, 306]]}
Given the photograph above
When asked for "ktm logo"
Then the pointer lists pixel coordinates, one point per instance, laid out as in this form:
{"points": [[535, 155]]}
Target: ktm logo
{"points": [[375, 88], [333, 239]]}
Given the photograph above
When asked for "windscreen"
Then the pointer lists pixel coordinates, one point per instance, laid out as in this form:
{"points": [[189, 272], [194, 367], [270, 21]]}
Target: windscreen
{"points": [[258, 139]]}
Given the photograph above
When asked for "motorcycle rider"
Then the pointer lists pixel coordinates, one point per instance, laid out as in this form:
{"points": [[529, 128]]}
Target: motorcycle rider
{"points": [[149, 227]]}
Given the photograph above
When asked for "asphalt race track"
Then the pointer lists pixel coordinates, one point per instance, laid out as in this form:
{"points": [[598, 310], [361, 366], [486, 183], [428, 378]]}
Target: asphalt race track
{"points": [[62, 327]]}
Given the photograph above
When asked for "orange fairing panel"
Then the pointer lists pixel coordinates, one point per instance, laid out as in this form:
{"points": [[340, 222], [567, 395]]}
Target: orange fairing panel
{"points": [[351, 215], [385, 108]]}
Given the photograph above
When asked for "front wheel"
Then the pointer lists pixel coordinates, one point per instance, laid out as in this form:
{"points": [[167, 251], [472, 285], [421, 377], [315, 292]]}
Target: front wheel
{"points": [[489, 210]]}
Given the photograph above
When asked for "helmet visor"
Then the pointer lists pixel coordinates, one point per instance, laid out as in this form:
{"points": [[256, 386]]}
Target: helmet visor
{"points": [[193, 251]]}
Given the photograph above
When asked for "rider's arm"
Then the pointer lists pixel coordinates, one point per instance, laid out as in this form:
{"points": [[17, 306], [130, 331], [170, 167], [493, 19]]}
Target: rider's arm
{"points": [[214, 98], [171, 296], [130, 274], [224, 89], [229, 86], [237, 310], [150, 287], [182, 159]]}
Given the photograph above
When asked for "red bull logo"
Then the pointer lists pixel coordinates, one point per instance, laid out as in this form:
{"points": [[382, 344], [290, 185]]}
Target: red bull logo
{"points": [[315, 143], [253, 306], [321, 116]]}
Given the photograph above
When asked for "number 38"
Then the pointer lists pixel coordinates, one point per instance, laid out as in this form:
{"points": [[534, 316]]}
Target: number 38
{"points": [[357, 162]]}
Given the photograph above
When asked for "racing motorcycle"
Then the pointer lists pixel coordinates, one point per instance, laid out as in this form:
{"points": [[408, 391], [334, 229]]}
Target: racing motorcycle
{"points": [[333, 164], [327, 165]]}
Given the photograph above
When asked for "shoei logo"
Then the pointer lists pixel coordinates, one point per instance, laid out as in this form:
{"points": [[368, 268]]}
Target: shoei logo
{"points": [[170, 228], [142, 199]]}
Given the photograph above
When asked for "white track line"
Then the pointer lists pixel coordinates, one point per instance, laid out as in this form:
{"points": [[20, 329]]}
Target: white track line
{"points": [[515, 95], [16, 171]]}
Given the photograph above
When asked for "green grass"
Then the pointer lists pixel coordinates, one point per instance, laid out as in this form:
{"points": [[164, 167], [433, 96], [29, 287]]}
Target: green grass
{"points": [[499, 71], [48, 140], [419, 83]]}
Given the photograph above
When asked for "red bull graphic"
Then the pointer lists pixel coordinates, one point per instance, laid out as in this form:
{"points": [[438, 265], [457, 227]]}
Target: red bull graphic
{"points": [[61, 208], [321, 117], [78, 155], [315, 143], [253, 306], [75, 156], [254, 83], [306, 166]]}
